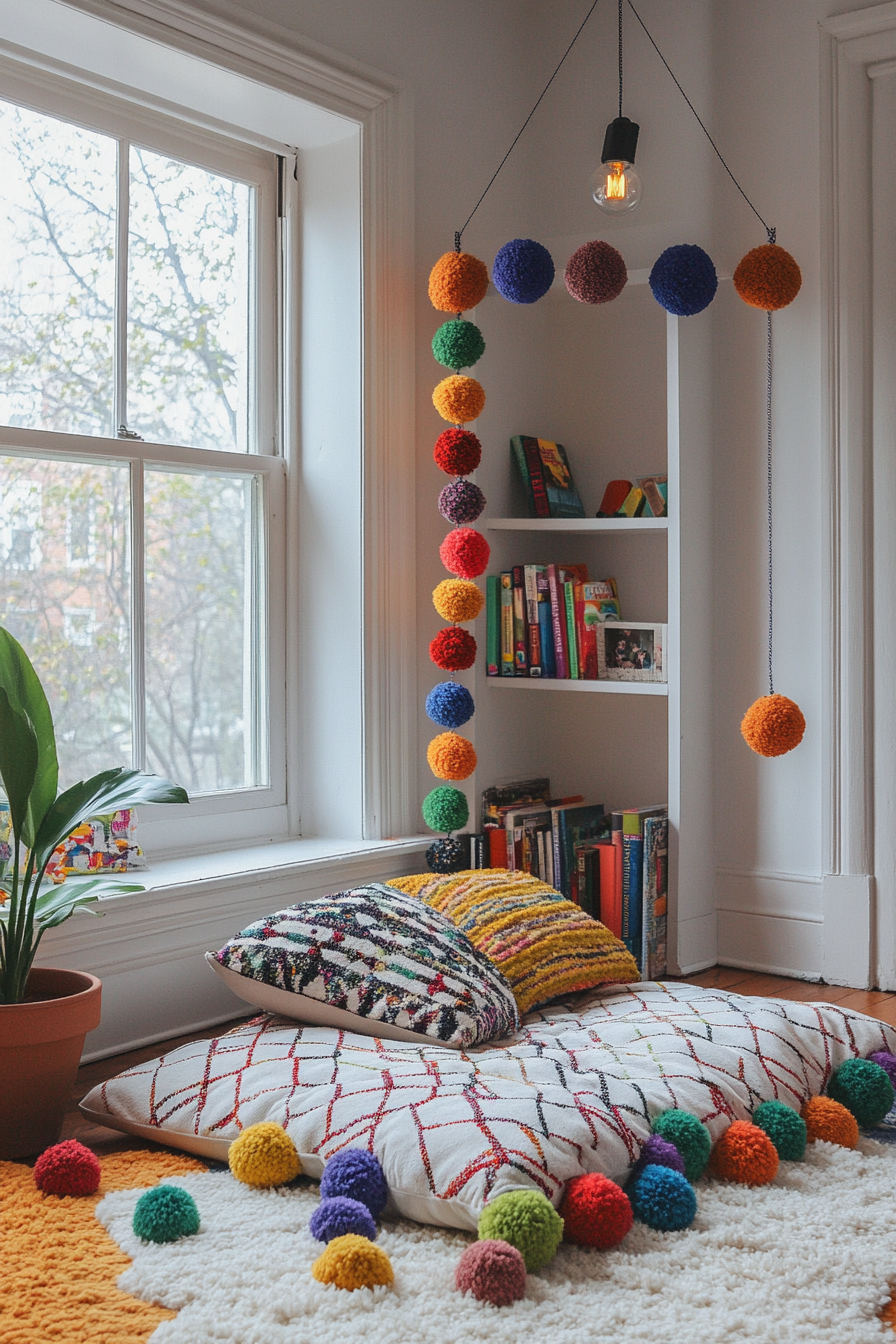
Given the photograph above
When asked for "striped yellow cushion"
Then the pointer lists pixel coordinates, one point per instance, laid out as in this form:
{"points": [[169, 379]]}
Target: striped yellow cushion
{"points": [[543, 944]]}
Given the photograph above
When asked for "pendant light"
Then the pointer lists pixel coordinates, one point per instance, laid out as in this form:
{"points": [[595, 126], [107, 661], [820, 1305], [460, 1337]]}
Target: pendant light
{"points": [[615, 186]]}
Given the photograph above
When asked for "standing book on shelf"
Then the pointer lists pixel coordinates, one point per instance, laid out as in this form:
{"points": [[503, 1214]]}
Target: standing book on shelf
{"points": [[569, 597], [633, 820], [558, 623], [530, 586], [575, 825], [493, 624], [520, 824], [520, 639], [544, 468], [545, 622], [656, 876], [597, 601], [588, 875], [507, 659], [528, 462]]}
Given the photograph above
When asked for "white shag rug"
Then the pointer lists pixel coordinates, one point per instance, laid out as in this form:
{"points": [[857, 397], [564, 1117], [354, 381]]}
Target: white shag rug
{"points": [[809, 1258]]}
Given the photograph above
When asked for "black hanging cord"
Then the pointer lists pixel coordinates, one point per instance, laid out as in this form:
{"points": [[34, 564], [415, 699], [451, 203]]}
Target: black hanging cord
{"points": [[768, 422], [620, 58]]}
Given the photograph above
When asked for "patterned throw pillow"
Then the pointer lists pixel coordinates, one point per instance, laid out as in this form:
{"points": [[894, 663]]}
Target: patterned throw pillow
{"points": [[543, 944], [373, 961]]}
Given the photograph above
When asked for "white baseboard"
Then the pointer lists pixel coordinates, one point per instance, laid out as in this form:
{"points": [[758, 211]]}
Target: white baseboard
{"points": [[697, 944], [776, 944]]}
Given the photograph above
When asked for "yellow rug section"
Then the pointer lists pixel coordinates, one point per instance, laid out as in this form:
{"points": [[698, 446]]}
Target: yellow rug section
{"points": [[58, 1266]]}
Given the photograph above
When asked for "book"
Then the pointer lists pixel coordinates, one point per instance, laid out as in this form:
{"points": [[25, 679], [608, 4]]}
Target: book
{"points": [[496, 837], [545, 471], [520, 638], [569, 590], [530, 588], [508, 668], [493, 624], [610, 893], [656, 870], [545, 623], [517, 823], [558, 623], [524, 451], [517, 792], [576, 824], [587, 884], [633, 876], [620, 926]]}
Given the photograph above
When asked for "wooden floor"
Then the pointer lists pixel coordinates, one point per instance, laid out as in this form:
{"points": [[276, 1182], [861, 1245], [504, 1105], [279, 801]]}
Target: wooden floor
{"points": [[876, 1003]]}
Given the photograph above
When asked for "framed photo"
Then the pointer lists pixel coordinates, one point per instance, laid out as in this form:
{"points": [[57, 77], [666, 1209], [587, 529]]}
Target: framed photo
{"points": [[629, 652]]}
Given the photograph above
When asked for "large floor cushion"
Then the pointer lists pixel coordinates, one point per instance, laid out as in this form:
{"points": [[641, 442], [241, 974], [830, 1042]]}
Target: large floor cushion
{"points": [[575, 1090]]}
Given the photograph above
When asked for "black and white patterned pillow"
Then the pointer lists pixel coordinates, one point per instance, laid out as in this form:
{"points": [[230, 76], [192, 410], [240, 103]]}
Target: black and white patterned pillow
{"points": [[371, 960]]}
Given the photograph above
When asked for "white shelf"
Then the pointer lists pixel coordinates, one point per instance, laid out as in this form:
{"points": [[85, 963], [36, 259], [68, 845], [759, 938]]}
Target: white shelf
{"points": [[577, 524], [562, 684]]}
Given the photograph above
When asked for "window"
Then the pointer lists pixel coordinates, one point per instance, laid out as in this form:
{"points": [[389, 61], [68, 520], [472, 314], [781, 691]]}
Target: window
{"points": [[141, 488]]}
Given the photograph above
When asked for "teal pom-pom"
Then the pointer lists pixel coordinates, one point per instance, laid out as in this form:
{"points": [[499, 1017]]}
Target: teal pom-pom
{"points": [[785, 1128], [863, 1088], [663, 1199], [445, 809], [690, 1137], [458, 344], [527, 1220], [166, 1213]]}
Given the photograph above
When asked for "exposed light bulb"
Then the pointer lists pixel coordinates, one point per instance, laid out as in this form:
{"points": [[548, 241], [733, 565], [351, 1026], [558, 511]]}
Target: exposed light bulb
{"points": [[616, 187]]}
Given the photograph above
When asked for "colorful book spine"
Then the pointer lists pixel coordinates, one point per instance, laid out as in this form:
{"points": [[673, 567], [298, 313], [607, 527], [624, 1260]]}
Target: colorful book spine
{"points": [[616, 839], [558, 623], [656, 847], [545, 623], [520, 638], [530, 587], [632, 882], [537, 485], [493, 624], [507, 660], [569, 598], [496, 846], [518, 453]]}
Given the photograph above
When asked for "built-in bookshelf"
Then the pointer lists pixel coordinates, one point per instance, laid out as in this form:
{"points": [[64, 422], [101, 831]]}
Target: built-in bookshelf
{"points": [[620, 525]]}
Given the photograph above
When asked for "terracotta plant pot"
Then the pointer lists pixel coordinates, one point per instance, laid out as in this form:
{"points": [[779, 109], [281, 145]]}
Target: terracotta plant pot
{"points": [[40, 1049]]}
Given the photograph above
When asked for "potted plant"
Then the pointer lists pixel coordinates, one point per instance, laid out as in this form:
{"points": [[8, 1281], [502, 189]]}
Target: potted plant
{"points": [[45, 1014]]}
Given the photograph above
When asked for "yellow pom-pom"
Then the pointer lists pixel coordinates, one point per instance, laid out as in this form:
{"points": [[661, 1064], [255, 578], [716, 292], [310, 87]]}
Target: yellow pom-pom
{"points": [[457, 600], [264, 1155], [459, 399], [773, 725], [353, 1262], [451, 756], [458, 281], [768, 277]]}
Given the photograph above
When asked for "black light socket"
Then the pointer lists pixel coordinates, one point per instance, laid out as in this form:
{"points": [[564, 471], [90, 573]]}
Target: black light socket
{"points": [[620, 141]]}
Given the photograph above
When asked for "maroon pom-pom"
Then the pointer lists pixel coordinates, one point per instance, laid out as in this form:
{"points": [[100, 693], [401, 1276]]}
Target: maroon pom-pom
{"points": [[595, 1211], [67, 1169], [453, 649], [493, 1271], [461, 502], [457, 452], [595, 273], [465, 553]]}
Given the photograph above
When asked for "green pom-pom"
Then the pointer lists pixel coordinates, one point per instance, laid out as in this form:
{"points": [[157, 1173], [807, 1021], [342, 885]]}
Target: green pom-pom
{"points": [[863, 1088], [785, 1128], [445, 809], [458, 344], [166, 1213], [527, 1220], [690, 1137]]}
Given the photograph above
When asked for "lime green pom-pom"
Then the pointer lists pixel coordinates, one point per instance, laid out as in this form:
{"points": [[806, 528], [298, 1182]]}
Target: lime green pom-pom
{"points": [[863, 1088], [785, 1127], [527, 1220], [458, 344], [689, 1136], [445, 809], [165, 1213]]}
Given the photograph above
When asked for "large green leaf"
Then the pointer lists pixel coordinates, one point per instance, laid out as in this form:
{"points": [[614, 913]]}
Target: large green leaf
{"points": [[26, 697], [18, 759], [105, 792]]}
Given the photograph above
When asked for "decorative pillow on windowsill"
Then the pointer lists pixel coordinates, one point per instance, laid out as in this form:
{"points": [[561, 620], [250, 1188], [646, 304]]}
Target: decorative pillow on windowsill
{"points": [[374, 961]]}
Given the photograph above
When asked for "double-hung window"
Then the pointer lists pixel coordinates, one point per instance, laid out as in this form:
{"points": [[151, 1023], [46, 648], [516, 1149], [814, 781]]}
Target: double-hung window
{"points": [[141, 480]]}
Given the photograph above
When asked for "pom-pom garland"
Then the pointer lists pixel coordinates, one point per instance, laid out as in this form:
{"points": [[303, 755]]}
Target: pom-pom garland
{"points": [[446, 809], [451, 756], [449, 704], [264, 1156], [829, 1122], [527, 1220], [446, 856], [658, 1152], [67, 1169], [458, 344], [352, 1262], [784, 1127], [457, 600], [663, 1199], [864, 1088], [354, 1173], [745, 1154], [465, 553], [338, 1216], [773, 725], [768, 278], [457, 452], [493, 1271], [461, 502], [689, 1136], [595, 1212], [683, 280], [595, 273], [458, 398], [165, 1214], [887, 1062], [453, 649], [458, 281], [523, 271]]}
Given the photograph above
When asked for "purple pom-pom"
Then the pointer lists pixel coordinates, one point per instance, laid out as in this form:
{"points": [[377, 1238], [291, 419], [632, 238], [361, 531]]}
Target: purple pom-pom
{"points": [[461, 502], [658, 1152], [886, 1061], [338, 1216], [355, 1174], [523, 271]]}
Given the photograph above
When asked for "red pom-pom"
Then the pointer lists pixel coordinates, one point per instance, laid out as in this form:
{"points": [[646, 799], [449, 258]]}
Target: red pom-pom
{"points": [[457, 452], [493, 1271], [596, 273], [67, 1169], [595, 1211], [465, 552], [453, 649]]}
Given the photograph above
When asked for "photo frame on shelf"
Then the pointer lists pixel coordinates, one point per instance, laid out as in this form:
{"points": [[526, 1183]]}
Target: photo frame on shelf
{"points": [[630, 651]]}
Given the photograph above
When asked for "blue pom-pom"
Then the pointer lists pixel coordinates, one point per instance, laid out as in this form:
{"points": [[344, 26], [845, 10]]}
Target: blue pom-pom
{"points": [[663, 1199], [523, 271], [449, 705], [338, 1216], [356, 1174], [684, 280]]}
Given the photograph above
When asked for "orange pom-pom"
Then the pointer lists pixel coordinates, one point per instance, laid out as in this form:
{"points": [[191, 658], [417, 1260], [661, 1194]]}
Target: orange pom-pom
{"points": [[745, 1154], [459, 399], [828, 1121], [768, 277], [458, 281], [451, 756], [457, 600], [773, 725]]}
